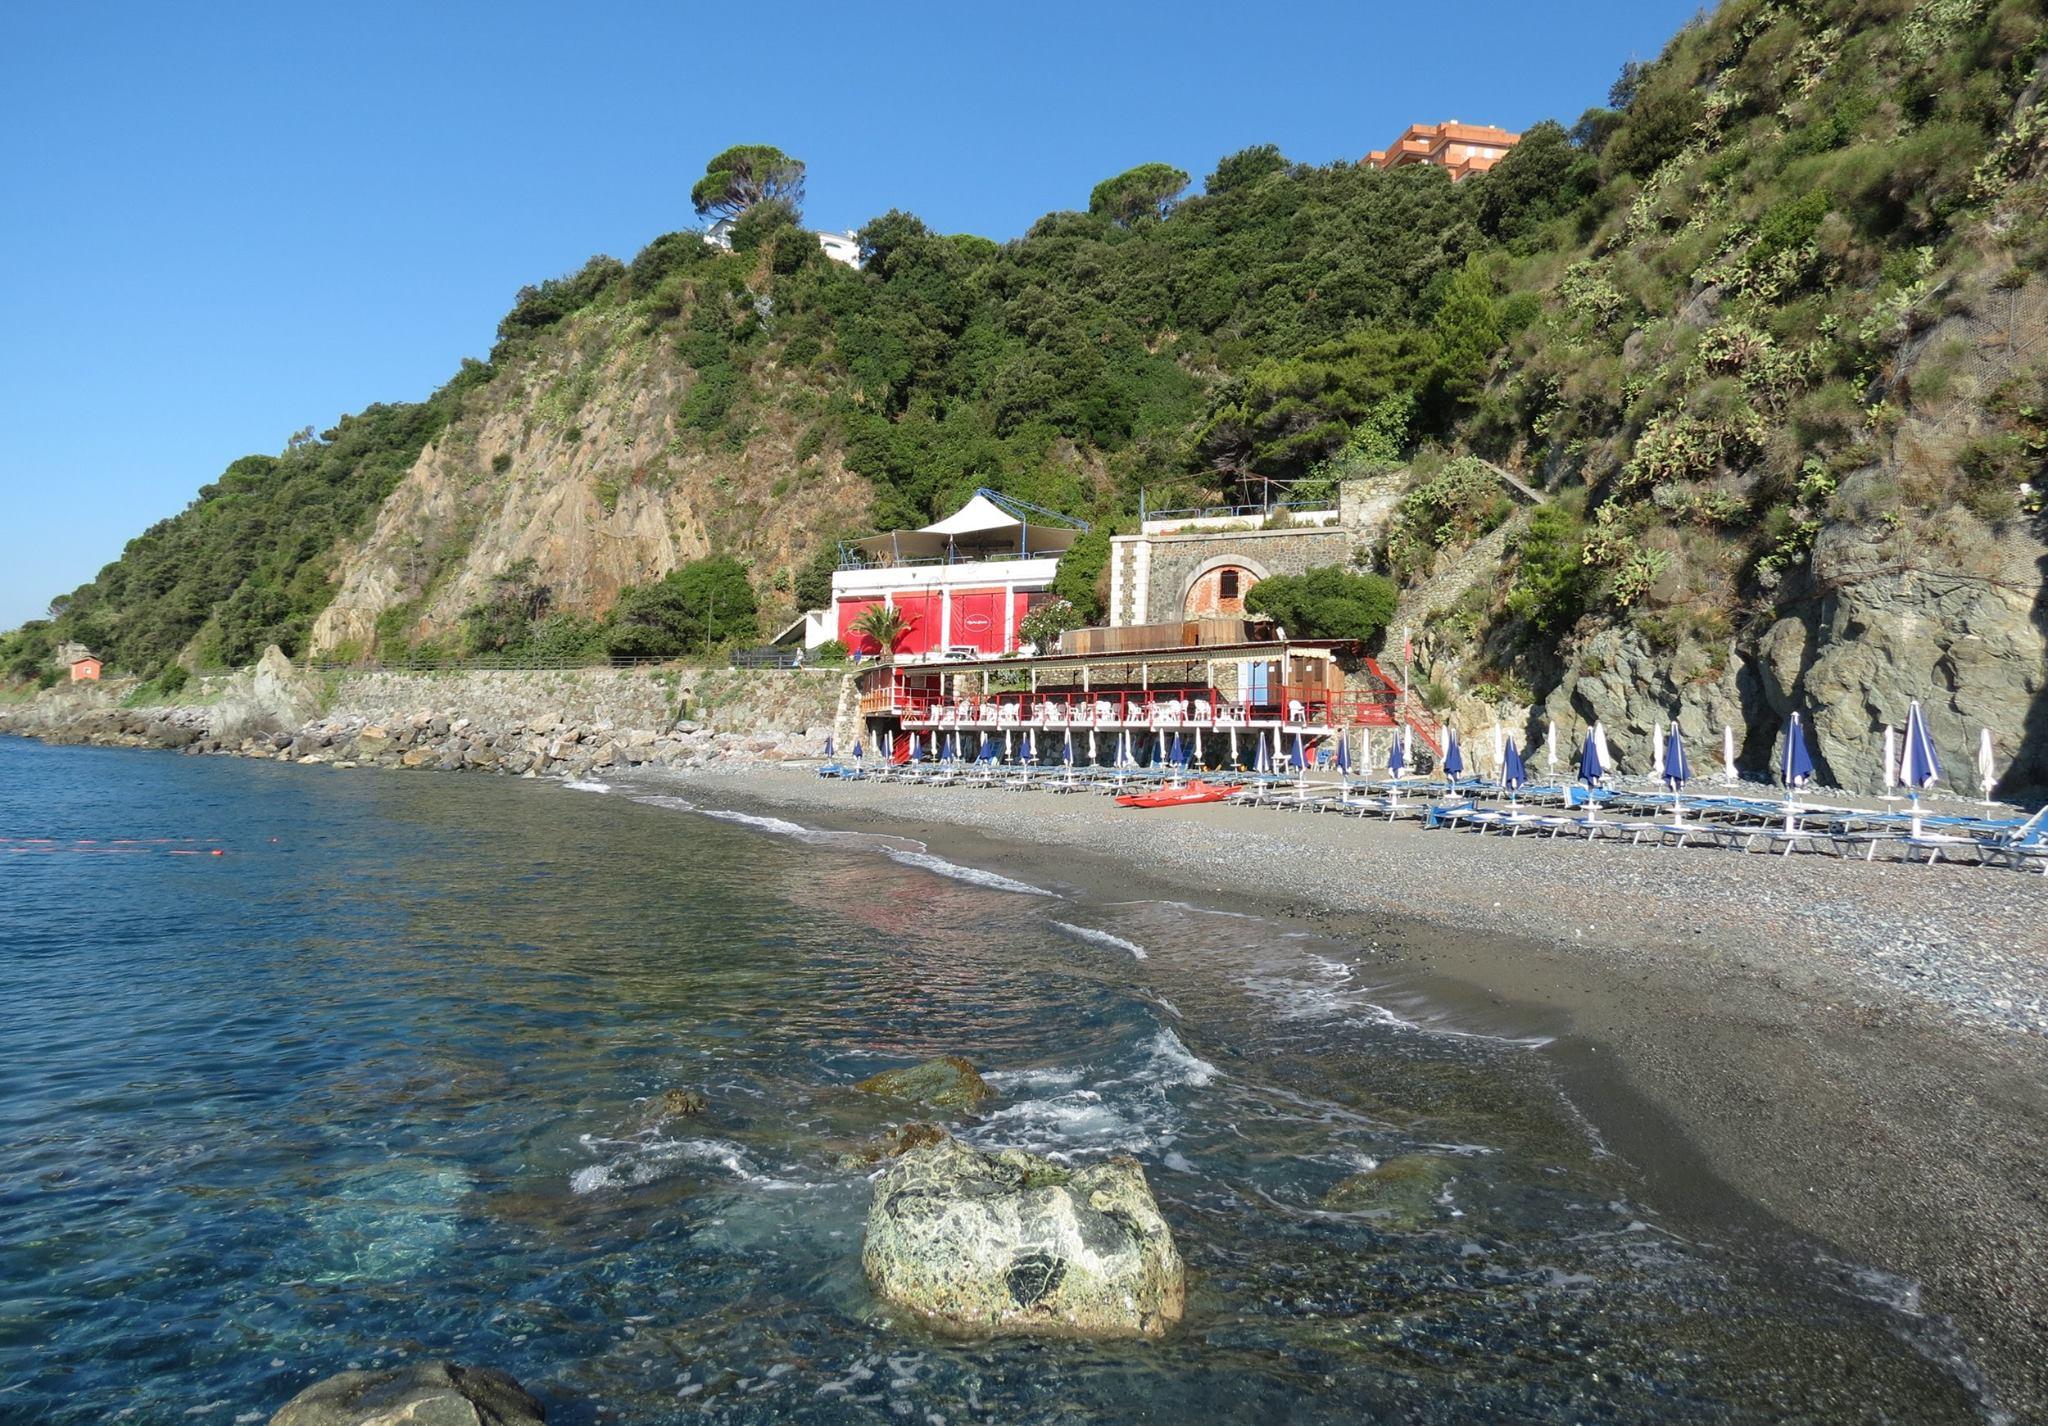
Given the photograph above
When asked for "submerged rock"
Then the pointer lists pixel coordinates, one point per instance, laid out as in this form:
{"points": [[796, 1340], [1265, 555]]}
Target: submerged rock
{"points": [[892, 1143], [1009, 1242], [682, 1104], [948, 1082], [1401, 1191], [424, 1394]]}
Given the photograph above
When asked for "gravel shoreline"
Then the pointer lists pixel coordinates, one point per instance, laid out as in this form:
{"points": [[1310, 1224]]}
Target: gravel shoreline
{"points": [[1860, 1050]]}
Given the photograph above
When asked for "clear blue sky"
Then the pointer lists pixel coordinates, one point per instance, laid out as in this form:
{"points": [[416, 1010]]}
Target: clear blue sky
{"points": [[222, 222]]}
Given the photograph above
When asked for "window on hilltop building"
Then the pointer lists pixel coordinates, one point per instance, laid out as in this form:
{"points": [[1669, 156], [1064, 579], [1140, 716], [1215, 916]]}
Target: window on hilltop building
{"points": [[1227, 585]]}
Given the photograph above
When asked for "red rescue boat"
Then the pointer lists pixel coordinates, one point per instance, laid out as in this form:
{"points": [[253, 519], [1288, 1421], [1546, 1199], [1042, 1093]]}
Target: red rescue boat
{"points": [[1179, 796]]}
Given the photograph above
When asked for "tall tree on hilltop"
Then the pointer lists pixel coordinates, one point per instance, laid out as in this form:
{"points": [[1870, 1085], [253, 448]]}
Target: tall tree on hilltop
{"points": [[1148, 191], [744, 175]]}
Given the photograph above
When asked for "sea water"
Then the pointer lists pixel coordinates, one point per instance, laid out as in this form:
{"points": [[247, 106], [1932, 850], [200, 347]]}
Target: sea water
{"points": [[308, 1070]]}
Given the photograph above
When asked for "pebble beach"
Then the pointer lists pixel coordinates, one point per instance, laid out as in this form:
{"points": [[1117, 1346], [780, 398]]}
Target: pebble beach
{"points": [[1859, 1048]]}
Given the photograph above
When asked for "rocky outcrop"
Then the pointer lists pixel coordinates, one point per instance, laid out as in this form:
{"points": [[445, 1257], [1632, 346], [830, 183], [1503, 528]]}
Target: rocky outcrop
{"points": [[1011, 1243], [574, 723], [948, 1082], [1617, 679], [575, 459], [425, 1394]]}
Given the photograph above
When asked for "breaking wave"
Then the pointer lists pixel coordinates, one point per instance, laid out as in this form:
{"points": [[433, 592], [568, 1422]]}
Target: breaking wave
{"points": [[1103, 938]]}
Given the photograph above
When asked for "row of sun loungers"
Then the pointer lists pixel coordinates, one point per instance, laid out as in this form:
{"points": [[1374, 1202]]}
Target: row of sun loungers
{"points": [[1639, 818]]}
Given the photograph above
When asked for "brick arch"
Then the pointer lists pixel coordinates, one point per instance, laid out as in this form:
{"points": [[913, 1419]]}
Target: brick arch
{"points": [[1202, 571]]}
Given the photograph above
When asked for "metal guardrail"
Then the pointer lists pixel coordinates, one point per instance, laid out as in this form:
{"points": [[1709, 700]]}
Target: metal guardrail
{"points": [[476, 665], [767, 658]]}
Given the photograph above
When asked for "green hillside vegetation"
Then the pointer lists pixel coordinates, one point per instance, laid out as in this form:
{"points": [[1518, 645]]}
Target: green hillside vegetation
{"points": [[1680, 314]]}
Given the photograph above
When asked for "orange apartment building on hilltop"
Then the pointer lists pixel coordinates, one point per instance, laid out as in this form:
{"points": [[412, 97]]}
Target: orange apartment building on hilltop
{"points": [[1461, 148]]}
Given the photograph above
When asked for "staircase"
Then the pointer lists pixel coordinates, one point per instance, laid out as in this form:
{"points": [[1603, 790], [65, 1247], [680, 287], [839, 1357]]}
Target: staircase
{"points": [[1388, 695]]}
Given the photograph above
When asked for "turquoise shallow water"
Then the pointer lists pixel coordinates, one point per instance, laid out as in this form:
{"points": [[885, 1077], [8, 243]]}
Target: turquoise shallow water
{"points": [[376, 1083]]}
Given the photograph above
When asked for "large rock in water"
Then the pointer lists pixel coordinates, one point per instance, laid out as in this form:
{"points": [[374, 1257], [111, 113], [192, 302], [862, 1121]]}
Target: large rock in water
{"points": [[425, 1394], [1009, 1242], [948, 1082]]}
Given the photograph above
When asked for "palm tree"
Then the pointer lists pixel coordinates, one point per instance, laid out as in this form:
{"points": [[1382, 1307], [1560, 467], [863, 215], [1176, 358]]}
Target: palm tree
{"points": [[885, 624]]}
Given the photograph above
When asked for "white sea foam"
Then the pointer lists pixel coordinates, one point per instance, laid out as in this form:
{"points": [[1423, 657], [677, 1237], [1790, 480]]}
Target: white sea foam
{"points": [[1013, 1080], [973, 876], [648, 1159], [777, 825], [588, 786], [1103, 938], [1175, 1063]]}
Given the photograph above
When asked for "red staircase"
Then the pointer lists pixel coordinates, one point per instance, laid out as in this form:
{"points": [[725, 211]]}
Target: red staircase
{"points": [[1386, 701]]}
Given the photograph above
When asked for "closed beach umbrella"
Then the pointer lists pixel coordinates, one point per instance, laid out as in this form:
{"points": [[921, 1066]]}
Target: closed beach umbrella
{"points": [[1657, 749], [1030, 746], [1600, 742], [1006, 744], [1891, 760], [1233, 746], [1795, 765], [916, 749], [856, 750], [1591, 768], [1550, 748], [1343, 755], [1365, 750], [1454, 757], [1513, 775], [1262, 760], [1093, 761], [1987, 770], [1677, 770], [1500, 743], [1067, 753], [1919, 768], [1397, 758], [1728, 752], [1300, 759]]}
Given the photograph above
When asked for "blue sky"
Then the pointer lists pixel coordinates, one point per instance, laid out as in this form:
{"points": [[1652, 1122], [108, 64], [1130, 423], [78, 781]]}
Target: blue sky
{"points": [[221, 222]]}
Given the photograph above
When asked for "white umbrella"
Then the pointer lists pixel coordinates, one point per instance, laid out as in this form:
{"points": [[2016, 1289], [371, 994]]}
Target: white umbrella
{"points": [[1987, 770], [1550, 748], [1499, 749], [1365, 752], [1657, 749], [1891, 762], [1728, 751], [1233, 745], [1600, 744]]}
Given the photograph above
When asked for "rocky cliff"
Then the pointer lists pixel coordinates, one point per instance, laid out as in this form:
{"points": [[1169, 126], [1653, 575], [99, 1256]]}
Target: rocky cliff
{"points": [[572, 457]]}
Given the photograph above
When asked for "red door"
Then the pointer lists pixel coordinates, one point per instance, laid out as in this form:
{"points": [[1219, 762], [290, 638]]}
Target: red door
{"points": [[978, 619], [921, 617], [850, 611]]}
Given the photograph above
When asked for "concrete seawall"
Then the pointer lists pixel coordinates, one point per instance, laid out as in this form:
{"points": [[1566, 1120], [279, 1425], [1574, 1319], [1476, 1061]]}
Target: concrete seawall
{"points": [[568, 722]]}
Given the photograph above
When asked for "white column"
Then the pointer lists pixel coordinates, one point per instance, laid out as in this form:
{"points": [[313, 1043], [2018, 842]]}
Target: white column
{"points": [[945, 617], [1009, 617]]}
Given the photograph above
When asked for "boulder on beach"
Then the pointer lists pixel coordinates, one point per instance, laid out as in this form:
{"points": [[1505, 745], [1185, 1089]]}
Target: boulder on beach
{"points": [[424, 1394], [1008, 1242], [948, 1082], [1403, 1192]]}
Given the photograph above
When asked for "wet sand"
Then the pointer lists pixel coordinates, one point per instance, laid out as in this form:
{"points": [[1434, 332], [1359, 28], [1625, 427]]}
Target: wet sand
{"points": [[1821, 1040]]}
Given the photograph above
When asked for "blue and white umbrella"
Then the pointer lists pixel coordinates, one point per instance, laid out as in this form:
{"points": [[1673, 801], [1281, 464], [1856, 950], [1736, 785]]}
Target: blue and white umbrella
{"points": [[1919, 767], [1396, 758], [1067, 753], [1513, 775], [828, 745], [1677, 770], [916, 748], [1300, 760], [856, 750], [989, 751], [1343, 755], [1795, 766], [1030, 746], [1262, 761], [1454, 757]]}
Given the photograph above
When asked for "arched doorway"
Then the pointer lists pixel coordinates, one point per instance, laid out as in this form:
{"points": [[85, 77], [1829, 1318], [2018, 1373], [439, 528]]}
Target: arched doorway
{"points": [[1218, 588]]}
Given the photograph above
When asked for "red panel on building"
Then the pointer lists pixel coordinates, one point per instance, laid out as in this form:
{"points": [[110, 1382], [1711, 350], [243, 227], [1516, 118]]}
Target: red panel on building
{"points": [[922, 616], [850, 611], [1023, 602], [978, 620]]}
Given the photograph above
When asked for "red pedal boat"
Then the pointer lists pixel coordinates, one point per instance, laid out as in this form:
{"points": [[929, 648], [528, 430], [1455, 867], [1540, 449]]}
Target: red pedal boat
{"points": [[1179, 796]]}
